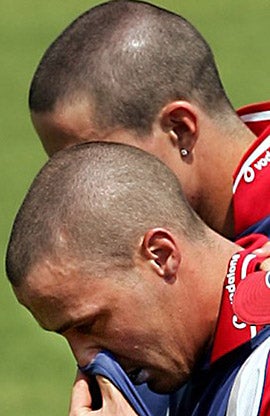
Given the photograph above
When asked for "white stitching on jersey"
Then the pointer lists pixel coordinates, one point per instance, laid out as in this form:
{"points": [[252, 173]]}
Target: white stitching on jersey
{"points": [[259, 116], [257, 152]]}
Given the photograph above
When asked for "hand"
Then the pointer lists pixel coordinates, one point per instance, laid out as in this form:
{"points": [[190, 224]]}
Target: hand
{"points": [[264, 251], [114, 404]]}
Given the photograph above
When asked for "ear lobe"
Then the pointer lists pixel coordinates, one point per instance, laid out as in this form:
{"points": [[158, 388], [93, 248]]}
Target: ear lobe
{"points": [[179, 119], [161, 249]]}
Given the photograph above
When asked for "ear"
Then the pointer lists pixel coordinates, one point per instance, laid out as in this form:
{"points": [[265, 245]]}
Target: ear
{"points": [[160, 247], [180, 120]]}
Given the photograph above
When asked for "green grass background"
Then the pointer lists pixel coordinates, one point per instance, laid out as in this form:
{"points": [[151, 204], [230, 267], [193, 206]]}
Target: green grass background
{"points": [[36, 368]]}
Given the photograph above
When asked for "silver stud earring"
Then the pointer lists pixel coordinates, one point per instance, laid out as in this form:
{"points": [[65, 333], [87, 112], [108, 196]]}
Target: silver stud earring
{"points": [[184, 152]]}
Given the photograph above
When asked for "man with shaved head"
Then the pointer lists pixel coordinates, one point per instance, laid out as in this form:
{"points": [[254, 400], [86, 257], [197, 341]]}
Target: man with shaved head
{"points": [[115, 260], [132, 72]]}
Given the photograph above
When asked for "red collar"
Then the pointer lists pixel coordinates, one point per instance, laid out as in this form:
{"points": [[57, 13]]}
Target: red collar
{"points": [[251, 177], [232, 332], [256, 116]]}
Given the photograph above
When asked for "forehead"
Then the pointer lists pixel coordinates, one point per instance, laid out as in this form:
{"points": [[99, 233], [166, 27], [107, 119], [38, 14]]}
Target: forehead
{"points": [[66, 125], [57, 295], [74, 122]]}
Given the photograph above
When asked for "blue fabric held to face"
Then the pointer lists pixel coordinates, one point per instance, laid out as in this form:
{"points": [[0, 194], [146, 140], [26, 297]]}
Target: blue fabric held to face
{"points": [[104, 364]]}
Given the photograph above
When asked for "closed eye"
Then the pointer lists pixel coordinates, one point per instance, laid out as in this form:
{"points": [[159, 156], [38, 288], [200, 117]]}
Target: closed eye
{"points": [[85, 328]]}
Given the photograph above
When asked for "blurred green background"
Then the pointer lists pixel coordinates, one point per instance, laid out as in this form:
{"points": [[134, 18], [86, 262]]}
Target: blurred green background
{"points": [[36, 368]]}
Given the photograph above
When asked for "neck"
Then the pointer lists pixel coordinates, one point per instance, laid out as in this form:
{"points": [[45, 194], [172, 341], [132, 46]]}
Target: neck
{"points": [[222, 149], [214, 264]]}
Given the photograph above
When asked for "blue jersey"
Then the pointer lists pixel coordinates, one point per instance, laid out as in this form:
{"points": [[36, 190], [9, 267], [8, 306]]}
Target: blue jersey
{"points": [[210, 390]]}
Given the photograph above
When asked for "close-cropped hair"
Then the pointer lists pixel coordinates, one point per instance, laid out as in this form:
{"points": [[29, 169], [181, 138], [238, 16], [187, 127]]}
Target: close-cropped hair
{"points": [[128, 59], [93, 203]]}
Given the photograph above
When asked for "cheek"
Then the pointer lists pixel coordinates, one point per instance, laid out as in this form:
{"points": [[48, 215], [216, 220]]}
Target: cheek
{"points": [[123, 337], [126, 340], [134, 324]]}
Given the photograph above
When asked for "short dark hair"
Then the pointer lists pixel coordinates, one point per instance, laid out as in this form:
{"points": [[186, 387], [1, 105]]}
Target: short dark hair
{"points": [[128, 59], [92, 203]]}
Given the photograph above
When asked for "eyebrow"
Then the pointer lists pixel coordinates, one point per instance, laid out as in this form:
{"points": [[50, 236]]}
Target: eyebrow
{"points": [[74, 324]]}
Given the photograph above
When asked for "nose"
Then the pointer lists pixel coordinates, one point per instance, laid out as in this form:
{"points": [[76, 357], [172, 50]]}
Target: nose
{"points": [[82, 349]]}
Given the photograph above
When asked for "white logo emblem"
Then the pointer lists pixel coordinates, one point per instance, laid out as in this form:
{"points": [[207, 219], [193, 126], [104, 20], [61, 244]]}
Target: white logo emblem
{"points": [[250, 171]]}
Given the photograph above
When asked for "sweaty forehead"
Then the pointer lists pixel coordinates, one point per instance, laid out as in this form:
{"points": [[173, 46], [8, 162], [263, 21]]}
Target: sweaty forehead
{"points": [[49, 292]]}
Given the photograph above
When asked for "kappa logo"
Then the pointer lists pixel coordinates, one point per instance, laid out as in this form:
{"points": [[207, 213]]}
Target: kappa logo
{"points": [[250, 172]]}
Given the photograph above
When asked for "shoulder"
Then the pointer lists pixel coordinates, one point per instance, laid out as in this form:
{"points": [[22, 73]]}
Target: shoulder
{"points": [[250, 395]]}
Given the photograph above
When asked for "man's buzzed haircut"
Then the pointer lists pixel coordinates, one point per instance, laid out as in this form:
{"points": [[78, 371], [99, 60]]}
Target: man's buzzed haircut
{"points": [[128, 59], [92, 203]]}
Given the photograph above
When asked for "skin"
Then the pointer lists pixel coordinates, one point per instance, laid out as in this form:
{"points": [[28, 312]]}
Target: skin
{"points": [[113, 403], [94, 313], [179, 124]]}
